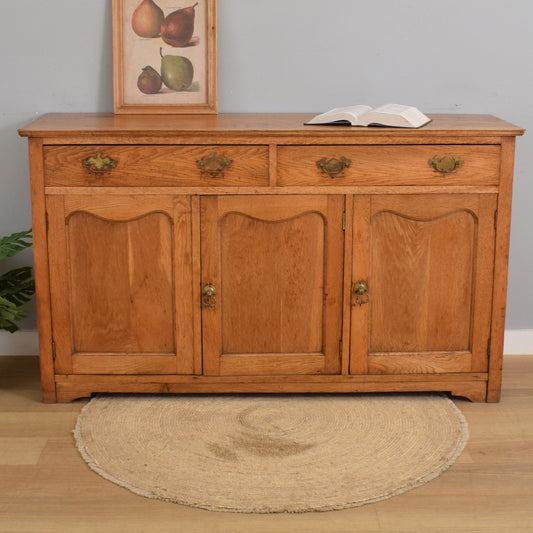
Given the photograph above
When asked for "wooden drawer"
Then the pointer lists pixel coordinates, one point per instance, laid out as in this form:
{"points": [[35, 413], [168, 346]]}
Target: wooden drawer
{"points": [[155, 165], [388, 165]]}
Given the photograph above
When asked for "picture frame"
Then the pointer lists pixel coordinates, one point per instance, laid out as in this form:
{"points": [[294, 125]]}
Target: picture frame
{"points": [[164, 56]]}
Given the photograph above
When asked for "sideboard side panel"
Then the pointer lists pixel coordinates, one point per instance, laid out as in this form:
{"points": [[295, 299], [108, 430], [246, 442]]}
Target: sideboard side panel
{"points": [[40, 256], [503, 229]]}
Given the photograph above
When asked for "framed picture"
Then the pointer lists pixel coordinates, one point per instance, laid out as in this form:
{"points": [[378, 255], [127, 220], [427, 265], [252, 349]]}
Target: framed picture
{"points": [[164, 56]]}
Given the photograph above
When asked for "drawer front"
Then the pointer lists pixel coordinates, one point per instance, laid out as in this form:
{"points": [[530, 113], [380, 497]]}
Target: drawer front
{"points": [[388, 165], [156, 166]]}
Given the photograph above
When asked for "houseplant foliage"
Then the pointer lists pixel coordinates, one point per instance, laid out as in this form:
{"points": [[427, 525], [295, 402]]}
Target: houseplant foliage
{"points": [[16, 286]]}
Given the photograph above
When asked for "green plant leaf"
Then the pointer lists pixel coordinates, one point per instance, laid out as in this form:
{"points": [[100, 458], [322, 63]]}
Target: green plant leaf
{"points": [[8, 314], [17, 285], [15, 243]]}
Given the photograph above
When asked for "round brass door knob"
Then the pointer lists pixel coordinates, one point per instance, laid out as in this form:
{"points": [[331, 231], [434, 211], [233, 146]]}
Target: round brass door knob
{"points": [[360, 290], [209, 296]]}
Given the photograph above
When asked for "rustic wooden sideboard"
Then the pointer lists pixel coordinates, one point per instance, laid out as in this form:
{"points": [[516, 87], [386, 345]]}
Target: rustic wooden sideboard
{"points": [[250, 253]]}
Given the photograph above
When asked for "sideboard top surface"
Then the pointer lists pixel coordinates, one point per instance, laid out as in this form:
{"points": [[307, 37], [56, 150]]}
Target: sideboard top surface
{"points": [[75, 124]]}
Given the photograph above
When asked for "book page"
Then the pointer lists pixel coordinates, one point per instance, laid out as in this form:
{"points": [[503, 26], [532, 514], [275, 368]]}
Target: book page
{"points": [[414, 116], [351, 114], [396, 115]]}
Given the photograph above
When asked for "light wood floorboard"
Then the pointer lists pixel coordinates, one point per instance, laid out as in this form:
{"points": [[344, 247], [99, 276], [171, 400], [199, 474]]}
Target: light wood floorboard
{"points": [[45, 486]]}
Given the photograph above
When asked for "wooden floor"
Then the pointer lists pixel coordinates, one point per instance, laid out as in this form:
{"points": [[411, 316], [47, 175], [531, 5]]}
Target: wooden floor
{"points": [[46, 487]]}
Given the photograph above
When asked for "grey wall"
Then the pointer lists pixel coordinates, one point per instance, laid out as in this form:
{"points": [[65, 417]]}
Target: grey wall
{"points": [[458, 56]]}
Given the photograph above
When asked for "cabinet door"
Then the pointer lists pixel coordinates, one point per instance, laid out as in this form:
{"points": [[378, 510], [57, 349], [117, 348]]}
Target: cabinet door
{"points": [[427, 261], [276, 264], [121, 284]]}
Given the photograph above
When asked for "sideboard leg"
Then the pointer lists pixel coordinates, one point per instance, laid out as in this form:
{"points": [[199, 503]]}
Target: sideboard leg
{"points": [[493, 395], [473, 391]]}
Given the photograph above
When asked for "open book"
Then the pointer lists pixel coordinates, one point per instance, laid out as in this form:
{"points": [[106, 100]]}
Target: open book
{"points": [[395, 115]]}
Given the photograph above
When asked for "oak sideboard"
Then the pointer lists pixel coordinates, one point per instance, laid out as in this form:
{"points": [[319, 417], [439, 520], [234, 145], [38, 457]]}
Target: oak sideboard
{"points": [[249, 253]]}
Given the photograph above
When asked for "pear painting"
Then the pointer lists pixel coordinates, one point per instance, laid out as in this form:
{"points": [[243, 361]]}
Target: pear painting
{"points": [[167, 47]]}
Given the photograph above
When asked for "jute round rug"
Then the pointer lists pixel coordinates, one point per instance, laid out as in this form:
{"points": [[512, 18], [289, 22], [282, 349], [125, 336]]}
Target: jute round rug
{"points": [[267, 454]]}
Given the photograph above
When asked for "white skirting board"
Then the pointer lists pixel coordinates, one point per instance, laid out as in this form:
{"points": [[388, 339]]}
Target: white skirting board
{"points": [[516, 341]]}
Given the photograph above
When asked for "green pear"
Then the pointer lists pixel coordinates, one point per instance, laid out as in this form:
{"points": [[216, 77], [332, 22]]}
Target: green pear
{"points": [[176, 72]]}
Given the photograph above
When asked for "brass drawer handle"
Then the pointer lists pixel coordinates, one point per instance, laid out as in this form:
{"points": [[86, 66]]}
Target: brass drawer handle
{"points": [[333, 167], [360, 290], [209, 296], [214, 164], [445, 164], [98, 164]]}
